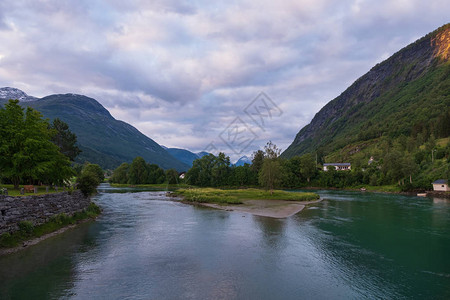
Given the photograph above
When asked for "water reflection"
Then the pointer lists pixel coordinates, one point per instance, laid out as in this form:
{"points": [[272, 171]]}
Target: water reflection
{"points": [[45, 270]]}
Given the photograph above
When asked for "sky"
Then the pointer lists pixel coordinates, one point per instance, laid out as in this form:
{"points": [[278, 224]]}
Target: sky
{"points": [[206, 75]]}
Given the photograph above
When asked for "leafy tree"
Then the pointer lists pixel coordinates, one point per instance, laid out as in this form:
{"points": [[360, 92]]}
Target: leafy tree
{"points": [[270, 173], [138, 173], [155, 174], [120, 175], [95, 169], [257, 160], [26, 151], [307, 166], [87, 182], [65, 139], [172, 176], [220, 170]]}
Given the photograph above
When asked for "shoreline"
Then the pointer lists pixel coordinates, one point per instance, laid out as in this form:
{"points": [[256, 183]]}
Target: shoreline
{"points": [[34, 241], [278, 209]]}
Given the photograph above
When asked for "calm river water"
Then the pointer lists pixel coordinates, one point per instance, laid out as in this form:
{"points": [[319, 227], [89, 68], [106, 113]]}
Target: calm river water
{"points": [[144, 246]]}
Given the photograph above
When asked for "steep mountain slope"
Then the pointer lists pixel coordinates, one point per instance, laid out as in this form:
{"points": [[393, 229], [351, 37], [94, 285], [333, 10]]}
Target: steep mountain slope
{"points": [[103, 139], [404, 95]]}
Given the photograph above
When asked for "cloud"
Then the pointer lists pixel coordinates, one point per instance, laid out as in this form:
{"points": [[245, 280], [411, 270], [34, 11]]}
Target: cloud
{"points": [[180, 72]]}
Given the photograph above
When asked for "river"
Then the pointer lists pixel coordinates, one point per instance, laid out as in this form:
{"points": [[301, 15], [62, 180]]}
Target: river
{"points": [[145, 246]]}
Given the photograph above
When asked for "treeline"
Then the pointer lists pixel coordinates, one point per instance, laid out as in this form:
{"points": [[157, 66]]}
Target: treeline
{"points": [[140, 172], [393, 164]]}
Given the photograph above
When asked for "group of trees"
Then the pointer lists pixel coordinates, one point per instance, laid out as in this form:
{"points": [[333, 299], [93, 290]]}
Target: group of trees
{"points": [[140, 172], [393, 165], [32, 150]]}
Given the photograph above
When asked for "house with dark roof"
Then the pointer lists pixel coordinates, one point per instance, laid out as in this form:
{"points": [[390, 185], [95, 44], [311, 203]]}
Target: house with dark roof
{"points": [[441, 185], [337, 166]]}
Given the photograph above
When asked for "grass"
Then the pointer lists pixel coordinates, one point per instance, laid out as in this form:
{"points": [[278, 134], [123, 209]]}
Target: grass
{"points": [[236, 196], [28, 231], [41, 190]]}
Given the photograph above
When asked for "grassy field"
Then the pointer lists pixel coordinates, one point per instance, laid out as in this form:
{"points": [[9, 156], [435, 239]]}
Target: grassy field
{"points": [[27, 231], [236, 196], [41, 190]]}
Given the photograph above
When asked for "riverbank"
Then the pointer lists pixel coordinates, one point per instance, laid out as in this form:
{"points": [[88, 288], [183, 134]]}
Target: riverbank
{"points": [[34, 241], [28, 234]]}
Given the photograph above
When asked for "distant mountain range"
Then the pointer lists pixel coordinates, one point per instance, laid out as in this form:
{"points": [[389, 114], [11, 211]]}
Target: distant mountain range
{"points": [[407, 94], [103, 139], [242, 161], [185, 156]]}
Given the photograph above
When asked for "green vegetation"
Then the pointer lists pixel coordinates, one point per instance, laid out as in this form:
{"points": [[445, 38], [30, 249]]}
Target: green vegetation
{"points": [[91, 176], [27, 153], [236, 196], [138, 172], [398, 113], [28, 231], [270, 174], [42, 190]]}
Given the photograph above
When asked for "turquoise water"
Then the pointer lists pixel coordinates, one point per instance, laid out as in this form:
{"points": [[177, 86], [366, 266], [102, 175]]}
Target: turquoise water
{"points": [[144, 246]]}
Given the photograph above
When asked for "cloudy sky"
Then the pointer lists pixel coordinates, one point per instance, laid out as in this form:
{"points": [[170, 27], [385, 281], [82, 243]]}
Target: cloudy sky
{"points": [[187, 74]]}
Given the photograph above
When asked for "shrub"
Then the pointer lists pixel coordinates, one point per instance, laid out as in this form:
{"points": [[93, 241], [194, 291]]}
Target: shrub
{"points": [[26, 227], [87, 183]]}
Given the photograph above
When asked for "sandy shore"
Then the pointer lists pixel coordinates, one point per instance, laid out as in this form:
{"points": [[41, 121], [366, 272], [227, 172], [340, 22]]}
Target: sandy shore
{"points": [[265, 208]]}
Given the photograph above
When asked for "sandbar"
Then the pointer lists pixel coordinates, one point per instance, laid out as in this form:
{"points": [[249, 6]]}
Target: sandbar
{"points": [[265, 208]]}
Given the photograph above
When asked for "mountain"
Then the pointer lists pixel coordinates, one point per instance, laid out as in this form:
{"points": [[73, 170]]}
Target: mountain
{"points": [[13, 93], [243, 160], [185, 156], [103, 139], [202, 153], [407, 94]]}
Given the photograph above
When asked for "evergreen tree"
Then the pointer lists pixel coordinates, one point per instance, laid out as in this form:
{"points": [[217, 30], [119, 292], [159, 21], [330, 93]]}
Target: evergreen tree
{"points": [[65, 139]]}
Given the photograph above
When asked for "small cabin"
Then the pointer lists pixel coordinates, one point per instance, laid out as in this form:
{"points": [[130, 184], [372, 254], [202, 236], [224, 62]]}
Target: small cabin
{"points": [[182, 175], [337, 166], [441, 185]]}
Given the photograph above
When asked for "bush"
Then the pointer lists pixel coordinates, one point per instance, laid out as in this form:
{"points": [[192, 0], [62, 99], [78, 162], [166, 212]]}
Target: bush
{"points": [[87, 183], [26, 227]]}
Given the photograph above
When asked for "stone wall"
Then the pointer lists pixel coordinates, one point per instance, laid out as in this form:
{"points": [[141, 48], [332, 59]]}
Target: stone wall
{"points": [[38, 209]]}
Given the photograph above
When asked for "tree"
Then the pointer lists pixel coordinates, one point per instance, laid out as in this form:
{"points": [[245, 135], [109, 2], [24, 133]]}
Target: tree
{"points": [[307, 166], [65, 139], [172, 176], [257, 160], [155, 174], [94, 169], [138, 173], [120, 175], [26, 151], [270, 173], [87, 182], [220, 170]]}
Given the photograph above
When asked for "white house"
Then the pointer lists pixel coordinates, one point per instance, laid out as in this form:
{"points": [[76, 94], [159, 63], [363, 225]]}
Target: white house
{"points": [[337, 166], [441, 185]]}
